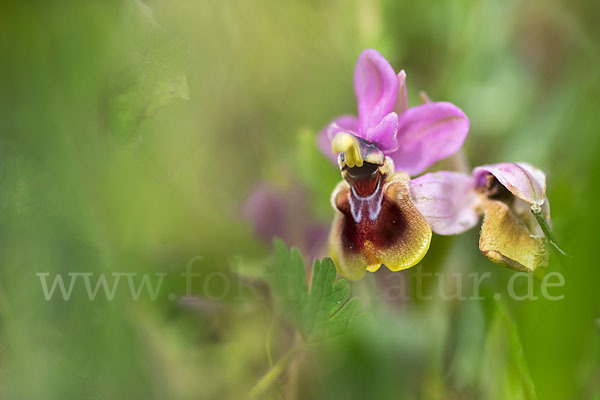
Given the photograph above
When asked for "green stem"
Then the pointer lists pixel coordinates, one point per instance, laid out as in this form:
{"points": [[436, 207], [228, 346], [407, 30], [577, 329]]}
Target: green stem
{"points": [[267, 380], [268, 343], [541, 219]]}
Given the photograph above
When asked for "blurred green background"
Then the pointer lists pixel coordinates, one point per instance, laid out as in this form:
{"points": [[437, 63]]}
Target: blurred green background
{"points": [[132, 132]]}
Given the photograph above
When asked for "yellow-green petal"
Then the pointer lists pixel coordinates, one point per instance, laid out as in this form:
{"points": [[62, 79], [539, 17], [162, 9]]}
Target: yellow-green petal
{"points": [[506, 240]]}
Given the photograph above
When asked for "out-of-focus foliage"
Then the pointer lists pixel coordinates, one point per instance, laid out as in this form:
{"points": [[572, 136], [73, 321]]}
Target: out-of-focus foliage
{"points": [[132, 131], [149, 73], [504, 368]]}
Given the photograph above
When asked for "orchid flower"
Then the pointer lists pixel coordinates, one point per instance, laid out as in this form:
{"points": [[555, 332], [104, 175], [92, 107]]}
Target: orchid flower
{"points": [[376, 223], [510, 196]]}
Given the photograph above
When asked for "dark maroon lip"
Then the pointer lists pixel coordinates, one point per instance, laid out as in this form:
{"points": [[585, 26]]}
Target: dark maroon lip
{"points": [[363, 179]]}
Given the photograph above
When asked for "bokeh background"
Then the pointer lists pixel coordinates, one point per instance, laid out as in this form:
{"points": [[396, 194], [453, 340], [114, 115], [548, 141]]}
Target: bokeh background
{"points": [[132, 133]]}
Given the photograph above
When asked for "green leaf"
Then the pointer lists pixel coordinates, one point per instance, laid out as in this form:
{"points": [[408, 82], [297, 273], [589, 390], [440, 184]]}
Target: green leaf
{"points": [[320, 314], [505, 375], [288, 282], [149, 72]]}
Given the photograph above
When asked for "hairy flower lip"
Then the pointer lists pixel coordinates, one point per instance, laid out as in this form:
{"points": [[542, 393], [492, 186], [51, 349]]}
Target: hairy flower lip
{"points": [[384, 228]]}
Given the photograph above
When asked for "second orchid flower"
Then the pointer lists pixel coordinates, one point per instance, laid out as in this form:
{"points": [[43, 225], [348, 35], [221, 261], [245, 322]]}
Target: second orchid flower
{"points": [[510, 196]]}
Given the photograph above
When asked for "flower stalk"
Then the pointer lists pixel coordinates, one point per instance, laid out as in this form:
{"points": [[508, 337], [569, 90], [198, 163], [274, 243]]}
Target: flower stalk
{"points": [[541, 220], [271, 376]]}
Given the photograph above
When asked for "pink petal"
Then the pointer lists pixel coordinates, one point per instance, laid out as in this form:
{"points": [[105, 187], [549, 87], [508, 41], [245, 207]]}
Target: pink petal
{"points": [[345, 123], [428, 133], [521, 179], [376, 88], [446, 200], [384, 134], [402, 101]]}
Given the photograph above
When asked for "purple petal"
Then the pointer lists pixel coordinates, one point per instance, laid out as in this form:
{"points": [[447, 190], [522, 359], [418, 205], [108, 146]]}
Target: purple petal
{"points": [[402, 100], [345, 123], [266, 210], [376, 88], [428, 133], [276, 213], [384, 134], [521, 179], [446, 200]]}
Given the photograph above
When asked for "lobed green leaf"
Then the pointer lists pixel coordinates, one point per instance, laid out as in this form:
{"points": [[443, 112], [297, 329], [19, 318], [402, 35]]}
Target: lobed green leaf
{"points": [[321, 313]]}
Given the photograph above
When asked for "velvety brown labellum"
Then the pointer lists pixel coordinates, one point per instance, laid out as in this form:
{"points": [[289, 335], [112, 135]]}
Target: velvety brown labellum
{"points": [[506, 240], [395, 234]]}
